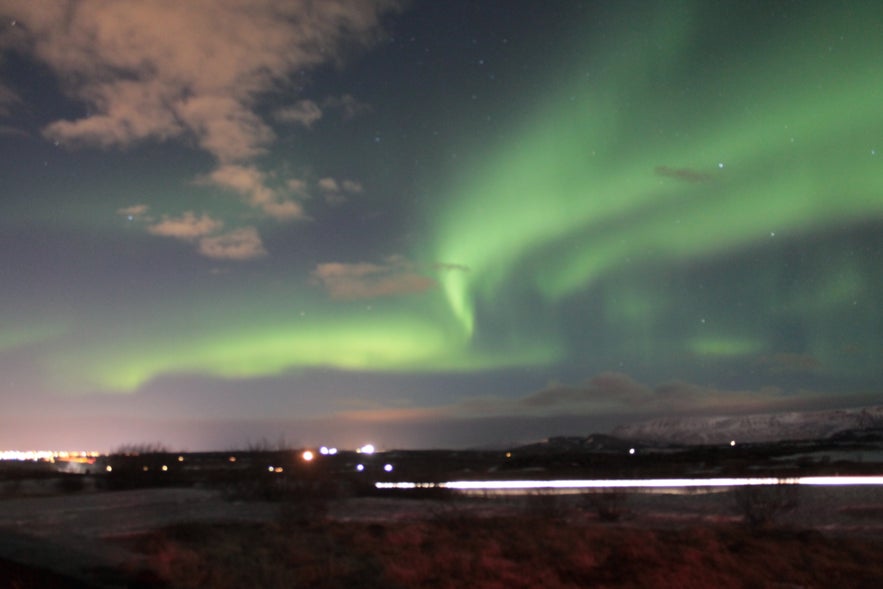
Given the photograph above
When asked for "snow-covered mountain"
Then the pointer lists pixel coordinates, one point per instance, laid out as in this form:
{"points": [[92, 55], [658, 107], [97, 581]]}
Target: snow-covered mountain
{"points": [[768, 427]]}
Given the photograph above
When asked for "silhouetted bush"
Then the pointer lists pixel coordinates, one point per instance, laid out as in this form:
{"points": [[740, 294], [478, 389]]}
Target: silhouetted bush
{"points": [[760, 505], [70, 483], [546, 505], [609, 505]]}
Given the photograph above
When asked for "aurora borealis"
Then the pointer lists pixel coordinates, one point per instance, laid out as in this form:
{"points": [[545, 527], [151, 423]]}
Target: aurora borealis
{"points": [[433, 223]]}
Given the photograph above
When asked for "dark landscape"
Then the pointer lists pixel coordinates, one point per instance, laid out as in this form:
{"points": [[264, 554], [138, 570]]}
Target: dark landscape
{"points": [[483, 294], [271, 518]]}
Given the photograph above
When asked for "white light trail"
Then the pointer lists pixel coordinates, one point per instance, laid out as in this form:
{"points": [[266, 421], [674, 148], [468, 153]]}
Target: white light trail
{"points": [[527, 485]]}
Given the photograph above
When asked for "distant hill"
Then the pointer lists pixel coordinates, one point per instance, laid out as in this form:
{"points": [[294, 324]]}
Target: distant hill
{"points": [[768, 427], [560, 444]]}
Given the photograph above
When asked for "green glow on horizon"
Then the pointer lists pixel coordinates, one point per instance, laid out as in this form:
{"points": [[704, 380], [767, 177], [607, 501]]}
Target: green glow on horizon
{"points": [[383, 341], [560, 240]]}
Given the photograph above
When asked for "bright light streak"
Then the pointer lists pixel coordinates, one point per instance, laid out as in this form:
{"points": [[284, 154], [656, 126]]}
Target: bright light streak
{"points": [[366, 449], [525, 485]]}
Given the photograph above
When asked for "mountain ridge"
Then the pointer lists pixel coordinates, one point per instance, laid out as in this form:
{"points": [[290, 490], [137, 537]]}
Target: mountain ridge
{"points": [[761, 427]]}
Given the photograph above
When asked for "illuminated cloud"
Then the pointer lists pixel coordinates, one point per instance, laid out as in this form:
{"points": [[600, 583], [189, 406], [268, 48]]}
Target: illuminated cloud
{"points": [[608, 393], [193, 72], [333, 190], [187, 227], [8, 99], [364, 281], [304, 112], [328, 185], [351, 186], [134, 211], [790, 363], [297, 186], [241, 244], [251, 184], [604, 388], [6, 130], [349, 106], [617, 392], [161, 70]]}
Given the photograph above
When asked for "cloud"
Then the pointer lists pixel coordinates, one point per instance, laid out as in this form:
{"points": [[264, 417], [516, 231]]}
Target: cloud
{"points": [[352, 187], [251, 184], [133, 211], [333, 190], [620, 393], [789, 363], [195, 71], [304, 112], [328, 185], [8, 131], [297, 186], [347, 104], [685, 174], [8, 99], [364, 281], [613, 394], [187, 227], [604, 389], [160, 70], [241, 244]]}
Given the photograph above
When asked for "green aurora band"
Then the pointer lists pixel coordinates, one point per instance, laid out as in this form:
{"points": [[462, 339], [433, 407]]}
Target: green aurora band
{"points": [[662, 162], [655, 162]]}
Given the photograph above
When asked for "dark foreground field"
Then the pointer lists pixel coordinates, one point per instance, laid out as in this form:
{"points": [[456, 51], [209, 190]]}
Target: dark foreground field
{"points": [[505, 553], [188, 538]]}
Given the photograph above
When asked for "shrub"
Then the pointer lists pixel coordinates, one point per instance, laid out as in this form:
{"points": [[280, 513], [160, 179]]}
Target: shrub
{"points": [[760, 505], [609, 505]]}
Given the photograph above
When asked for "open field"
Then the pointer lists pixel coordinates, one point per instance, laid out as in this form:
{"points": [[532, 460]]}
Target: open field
{"points": [[269, 518], [199, 538]]}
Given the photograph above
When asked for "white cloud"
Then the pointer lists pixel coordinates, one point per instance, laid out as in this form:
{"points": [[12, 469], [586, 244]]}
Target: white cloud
{"points": [[8, 99], [192, 71], [297, 186], [328, 185], [347, 104], [364, 280], [252, 185], [351, 187], [133, 211], [333, 190], [158, 69], [187, 227], [304, 112], [241, 244]]}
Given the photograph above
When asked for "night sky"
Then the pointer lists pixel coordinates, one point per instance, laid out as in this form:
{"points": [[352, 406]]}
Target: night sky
{"points": [[437, 223]]}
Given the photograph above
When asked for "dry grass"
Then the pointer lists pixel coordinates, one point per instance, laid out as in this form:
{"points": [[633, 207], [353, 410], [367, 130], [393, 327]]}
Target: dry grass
{"points": [[15, 575], [458, 550]]}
